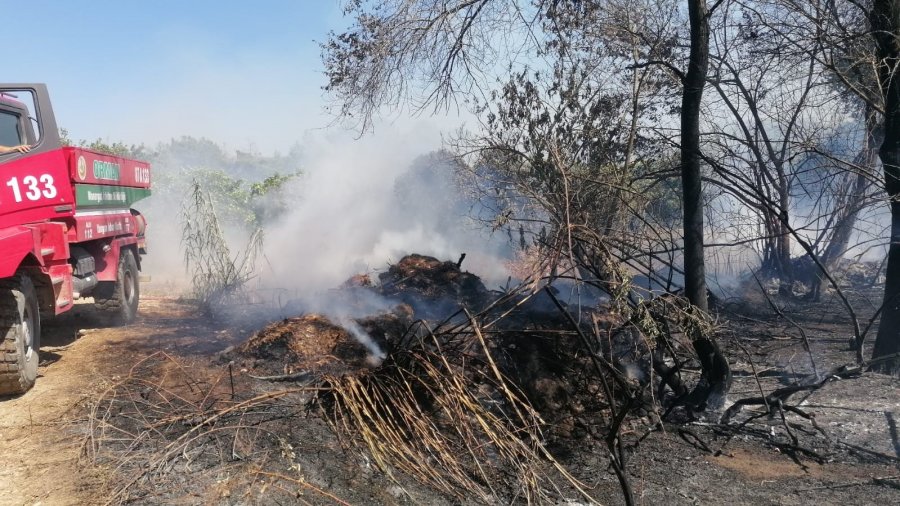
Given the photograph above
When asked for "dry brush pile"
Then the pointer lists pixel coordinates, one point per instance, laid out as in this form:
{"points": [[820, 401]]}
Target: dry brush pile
{"points": [[468, 392]]}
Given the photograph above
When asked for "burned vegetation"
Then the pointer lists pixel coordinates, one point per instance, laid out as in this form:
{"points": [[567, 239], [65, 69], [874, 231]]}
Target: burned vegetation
{"points": [[695, 302], [454, 393]]}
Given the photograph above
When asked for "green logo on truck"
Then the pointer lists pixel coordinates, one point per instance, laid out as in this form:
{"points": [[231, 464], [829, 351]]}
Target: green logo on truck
{"points": [[82, 168], [106, 170]]}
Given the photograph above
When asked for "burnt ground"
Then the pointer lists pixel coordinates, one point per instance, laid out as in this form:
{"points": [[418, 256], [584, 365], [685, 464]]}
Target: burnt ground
{"points": [[155, 413], [855, 458]]}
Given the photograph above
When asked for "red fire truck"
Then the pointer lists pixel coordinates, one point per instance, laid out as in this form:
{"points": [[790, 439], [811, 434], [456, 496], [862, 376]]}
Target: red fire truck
{"points": [[67, 230]]}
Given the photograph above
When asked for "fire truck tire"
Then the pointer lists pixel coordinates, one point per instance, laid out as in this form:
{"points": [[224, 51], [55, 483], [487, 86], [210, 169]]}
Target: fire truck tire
{"points": [[20, 333], [119, 299]]}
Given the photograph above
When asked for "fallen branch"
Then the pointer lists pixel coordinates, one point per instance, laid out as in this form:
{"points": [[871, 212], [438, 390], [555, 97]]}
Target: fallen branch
{"points": [[305, 376], [781, 395], [870, 453], [694, 440], [875, 480]]}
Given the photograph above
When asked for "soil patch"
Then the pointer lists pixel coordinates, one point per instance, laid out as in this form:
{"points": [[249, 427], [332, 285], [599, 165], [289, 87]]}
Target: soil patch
{"points": [[42, 431]]}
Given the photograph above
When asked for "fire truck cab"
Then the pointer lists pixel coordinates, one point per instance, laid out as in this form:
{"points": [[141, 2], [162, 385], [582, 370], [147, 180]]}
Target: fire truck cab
{"points": [[67, 230]]}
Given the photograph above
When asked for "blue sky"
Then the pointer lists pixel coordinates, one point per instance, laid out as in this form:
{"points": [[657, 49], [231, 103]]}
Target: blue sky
{"points": [[245, 74]]}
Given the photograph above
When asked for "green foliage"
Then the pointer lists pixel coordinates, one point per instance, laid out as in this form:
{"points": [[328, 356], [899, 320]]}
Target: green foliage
{"points": [[225, 201], [229, 196], [269, 198], [115, 148], [217, 200], [250, 201], [64, 138], [246, 189], [185, 153], [239, 202], [271, 183], [101, 146]]}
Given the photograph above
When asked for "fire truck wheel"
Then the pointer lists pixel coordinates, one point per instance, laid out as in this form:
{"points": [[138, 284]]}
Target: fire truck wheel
{"points": [[119, 298], [20, 332]]}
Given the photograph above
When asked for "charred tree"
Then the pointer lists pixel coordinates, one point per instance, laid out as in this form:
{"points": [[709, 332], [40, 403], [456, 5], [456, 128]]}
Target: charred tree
{"points": [[691, 99], [885, 24], [716, 372]]}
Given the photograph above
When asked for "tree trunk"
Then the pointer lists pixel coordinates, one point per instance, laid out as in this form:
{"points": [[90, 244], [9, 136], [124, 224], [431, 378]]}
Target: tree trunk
{"points": [[785, 265], [716, 377], [694, 82], [885, 21]]}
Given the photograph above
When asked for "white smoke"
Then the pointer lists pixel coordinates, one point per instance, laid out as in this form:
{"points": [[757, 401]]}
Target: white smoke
{"points": [[376, 354], [358, 205], [346, 217]]}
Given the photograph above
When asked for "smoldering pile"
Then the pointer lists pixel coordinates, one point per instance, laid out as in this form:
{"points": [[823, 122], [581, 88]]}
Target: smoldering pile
{"points": [[317, 343], [415, 288], [428, 304], [434, 289], [448, 364]]}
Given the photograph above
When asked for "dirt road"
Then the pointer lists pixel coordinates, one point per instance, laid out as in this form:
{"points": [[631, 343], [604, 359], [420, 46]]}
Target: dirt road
{"points": [[42, 432]]}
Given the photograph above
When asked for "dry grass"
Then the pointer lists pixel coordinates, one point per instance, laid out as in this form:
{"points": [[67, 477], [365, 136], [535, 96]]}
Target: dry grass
{"points": [[168, 433], [451, 421]]}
